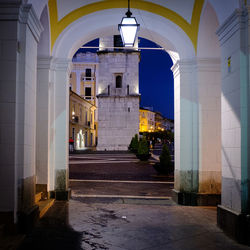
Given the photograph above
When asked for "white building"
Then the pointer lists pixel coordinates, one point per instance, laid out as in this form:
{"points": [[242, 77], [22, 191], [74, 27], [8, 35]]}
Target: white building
{"points": [[118, 96]]}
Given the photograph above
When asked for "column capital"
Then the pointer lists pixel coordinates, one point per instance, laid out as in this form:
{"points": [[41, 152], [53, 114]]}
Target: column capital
{"points": [[44, 62], [236, 21], [208, 64], [62, 64], [24, 13], [184, 65]]}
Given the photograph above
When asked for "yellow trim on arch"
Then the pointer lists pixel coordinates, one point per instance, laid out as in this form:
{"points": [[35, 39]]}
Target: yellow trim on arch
{"points": [[56, 27]]}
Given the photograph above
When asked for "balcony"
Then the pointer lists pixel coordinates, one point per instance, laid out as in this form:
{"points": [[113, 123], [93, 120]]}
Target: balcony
{"points": [[88, 79], [88, 98]]}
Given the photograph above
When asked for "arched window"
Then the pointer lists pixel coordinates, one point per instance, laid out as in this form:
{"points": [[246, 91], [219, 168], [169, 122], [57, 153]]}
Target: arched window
{"points": [[118, 81]]}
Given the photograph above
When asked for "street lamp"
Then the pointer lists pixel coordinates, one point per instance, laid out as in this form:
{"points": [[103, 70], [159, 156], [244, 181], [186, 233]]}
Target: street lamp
{"points": [[128, 28]]}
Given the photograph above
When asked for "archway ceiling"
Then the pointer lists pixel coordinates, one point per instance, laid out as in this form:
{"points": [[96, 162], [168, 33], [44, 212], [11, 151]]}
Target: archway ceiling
{"points": [[185, 14]]}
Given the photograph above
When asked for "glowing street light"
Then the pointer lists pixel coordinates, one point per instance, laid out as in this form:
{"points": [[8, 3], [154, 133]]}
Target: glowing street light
{"points": [[128, 28]]}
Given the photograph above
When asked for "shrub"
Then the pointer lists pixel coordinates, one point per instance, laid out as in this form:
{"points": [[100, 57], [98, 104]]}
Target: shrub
{"points": [[133, 146], [165, 165], [143, 150], [165, 158]]}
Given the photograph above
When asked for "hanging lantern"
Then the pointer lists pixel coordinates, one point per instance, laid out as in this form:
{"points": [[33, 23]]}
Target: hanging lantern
{"points": [[128, 29]]}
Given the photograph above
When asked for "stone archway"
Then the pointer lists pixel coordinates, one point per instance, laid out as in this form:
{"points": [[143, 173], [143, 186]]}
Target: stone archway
{"points": [[180, 31], [193, 64]]}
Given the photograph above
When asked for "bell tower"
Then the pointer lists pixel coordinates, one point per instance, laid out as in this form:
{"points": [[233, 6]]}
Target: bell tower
{"points": [[118, 94]]}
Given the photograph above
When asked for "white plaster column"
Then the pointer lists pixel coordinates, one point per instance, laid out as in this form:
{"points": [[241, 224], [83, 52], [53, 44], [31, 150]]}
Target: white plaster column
{"points": [[186, 126], [62, 69], [197, 131], [209, 97], [235, 204], [20, 32], [43, 122]]}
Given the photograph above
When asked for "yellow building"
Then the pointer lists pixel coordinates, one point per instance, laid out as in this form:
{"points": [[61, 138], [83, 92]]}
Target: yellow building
{"points": [[83, 76], [147, 120], [82, 127], [159, 122]]}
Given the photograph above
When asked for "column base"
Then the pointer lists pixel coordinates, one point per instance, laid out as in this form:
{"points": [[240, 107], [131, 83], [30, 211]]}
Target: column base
{"points": [[27, 219], [63, 195], [7, 223], [235, 225], [195, 199], [25, 222]]}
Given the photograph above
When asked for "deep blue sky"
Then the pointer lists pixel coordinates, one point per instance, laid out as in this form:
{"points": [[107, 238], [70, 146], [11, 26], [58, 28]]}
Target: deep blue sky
{"points": [[155, 78]]}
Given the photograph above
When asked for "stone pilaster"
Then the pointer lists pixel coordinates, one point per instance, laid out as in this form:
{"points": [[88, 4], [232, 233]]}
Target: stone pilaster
{"points": [[197, 131], [43, 121], [20, 32], [62, 69], [186, 131], [234, 211]]}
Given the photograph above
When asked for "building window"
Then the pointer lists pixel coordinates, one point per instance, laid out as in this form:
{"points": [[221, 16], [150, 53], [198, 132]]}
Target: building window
{"points": [[88, 92], [88, 74], [118, 81], [86, 117], [80, 114]]}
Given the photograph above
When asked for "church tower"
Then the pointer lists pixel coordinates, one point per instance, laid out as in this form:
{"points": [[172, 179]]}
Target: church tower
{"points": [[118, 94]]}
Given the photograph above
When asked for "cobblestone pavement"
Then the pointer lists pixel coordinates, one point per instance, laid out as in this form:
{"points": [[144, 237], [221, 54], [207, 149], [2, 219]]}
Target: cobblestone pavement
{"points": [[102, 223], [77, 225]]}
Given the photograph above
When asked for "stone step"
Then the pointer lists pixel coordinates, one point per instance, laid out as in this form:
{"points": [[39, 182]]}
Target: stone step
{"points": [[44, 206], [136, 200], [38, 197], [11, 242], [1, 230]]}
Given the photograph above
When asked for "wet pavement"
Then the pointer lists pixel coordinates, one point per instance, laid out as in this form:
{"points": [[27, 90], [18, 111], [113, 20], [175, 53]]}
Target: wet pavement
{"points": [[77, 225], [119, 203]]}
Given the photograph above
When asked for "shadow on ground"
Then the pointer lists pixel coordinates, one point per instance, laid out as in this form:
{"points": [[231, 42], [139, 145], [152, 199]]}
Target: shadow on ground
{"points": [[53, 231]]}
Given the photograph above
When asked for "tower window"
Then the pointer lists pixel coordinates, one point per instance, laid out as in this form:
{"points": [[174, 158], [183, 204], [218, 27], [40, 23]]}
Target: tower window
{"points": [[88, 74], [118, 81], [118, 42]]}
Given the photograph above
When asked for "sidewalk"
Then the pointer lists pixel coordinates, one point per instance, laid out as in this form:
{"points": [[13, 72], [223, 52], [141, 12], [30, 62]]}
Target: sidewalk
{"points": [[76, 225], [119, 203]]}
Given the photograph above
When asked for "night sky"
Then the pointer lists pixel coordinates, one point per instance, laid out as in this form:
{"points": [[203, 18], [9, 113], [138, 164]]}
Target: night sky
{"points": [[155, 78]]}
